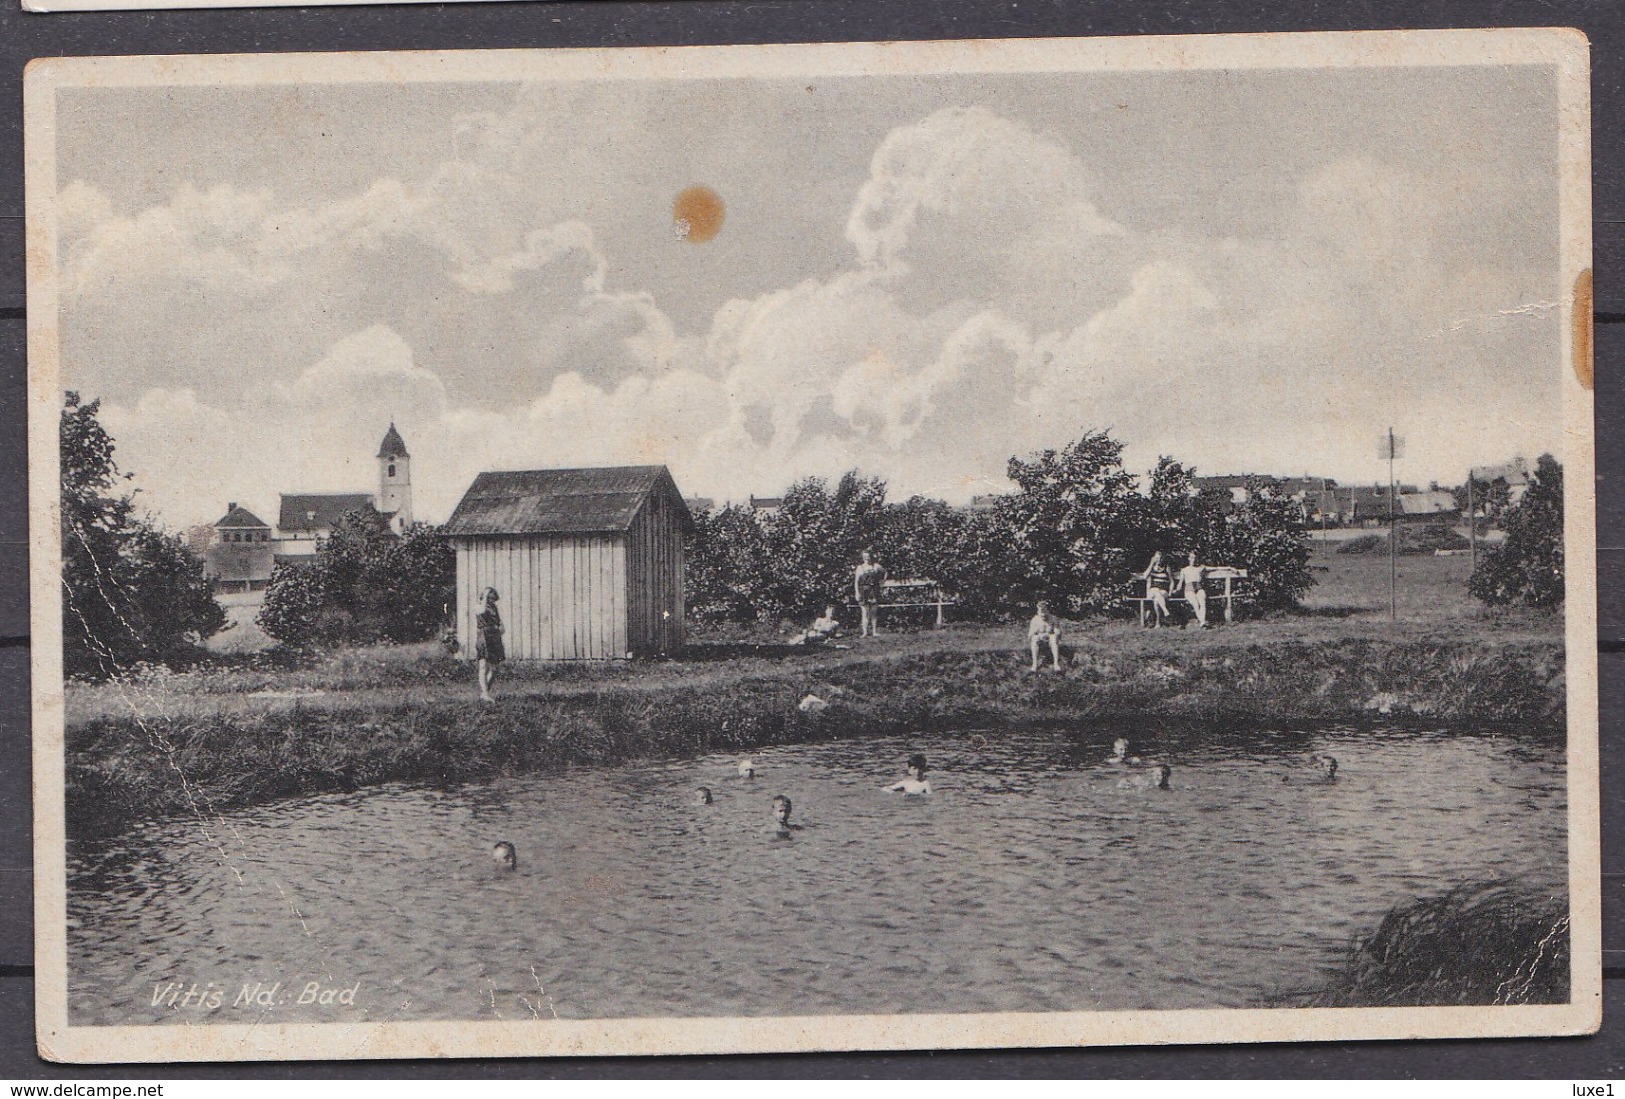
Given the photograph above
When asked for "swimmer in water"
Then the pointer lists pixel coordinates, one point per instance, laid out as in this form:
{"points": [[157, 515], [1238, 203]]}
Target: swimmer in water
{"points": [[747, 769], [504, 855], [702, 796], [915, 784], [781, 817], [1156, 779], [1325, 771]]}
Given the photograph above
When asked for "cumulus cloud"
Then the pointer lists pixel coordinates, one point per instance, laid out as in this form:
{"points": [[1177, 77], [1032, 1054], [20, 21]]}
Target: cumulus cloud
{"points": [[989, 305]]}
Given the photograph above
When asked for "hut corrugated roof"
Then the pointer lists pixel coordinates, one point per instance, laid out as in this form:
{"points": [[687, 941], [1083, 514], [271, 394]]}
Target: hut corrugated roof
{"points": [[604, 500]]}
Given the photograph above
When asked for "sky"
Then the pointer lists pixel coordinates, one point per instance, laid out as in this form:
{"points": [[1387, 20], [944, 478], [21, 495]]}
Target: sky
{"points": [[915, 277]]}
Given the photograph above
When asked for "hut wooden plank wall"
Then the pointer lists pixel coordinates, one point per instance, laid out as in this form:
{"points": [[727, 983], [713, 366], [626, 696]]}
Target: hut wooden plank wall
{"points": [[588, 562]]}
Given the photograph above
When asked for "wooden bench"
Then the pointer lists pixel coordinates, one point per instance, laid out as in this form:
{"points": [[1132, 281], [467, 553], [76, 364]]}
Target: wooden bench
{"points": [[1214, 572], [915, 593]]}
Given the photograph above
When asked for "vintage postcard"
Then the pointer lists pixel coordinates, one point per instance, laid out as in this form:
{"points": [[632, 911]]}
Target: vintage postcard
{"points": [[921, 545]]}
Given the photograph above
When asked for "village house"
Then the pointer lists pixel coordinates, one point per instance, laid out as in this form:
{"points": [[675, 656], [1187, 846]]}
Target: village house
{"points": [[588, 563], [1515, 473], [239, 557], [765, 507], [1432, 506]]}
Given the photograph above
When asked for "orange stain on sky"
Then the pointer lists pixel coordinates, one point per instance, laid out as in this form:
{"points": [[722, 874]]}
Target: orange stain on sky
{"points": [[697, 212]]}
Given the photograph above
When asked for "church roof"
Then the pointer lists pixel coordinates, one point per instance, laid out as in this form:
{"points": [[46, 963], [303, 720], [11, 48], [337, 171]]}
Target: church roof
{"points": [[240, 517], [319, 512], [393, 445]]}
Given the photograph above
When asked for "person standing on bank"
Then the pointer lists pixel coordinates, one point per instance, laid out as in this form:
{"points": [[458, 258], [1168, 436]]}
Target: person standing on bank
{"points": [[867, 581], [488, 648], [1193, 581]]}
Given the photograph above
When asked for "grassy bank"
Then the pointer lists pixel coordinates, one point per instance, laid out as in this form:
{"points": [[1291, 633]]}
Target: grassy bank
{"points": [[195, 745], [1481, 943]]}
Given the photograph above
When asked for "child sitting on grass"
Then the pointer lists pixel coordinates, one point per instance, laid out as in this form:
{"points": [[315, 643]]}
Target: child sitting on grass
{"points": [[1041, 629]]}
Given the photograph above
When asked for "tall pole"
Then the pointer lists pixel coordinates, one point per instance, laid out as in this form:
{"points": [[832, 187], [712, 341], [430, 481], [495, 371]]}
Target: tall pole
{"points": [[1472, 523], [1393, 536]]}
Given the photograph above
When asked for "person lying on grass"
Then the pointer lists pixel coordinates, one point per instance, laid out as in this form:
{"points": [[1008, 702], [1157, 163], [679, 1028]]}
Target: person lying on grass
{"points": [[915, 784], [824, 629], [1041, 629]]}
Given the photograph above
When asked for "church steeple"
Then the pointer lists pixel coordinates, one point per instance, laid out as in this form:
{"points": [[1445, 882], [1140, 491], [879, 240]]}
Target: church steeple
{"points": [[395, 479], [393, 445]]}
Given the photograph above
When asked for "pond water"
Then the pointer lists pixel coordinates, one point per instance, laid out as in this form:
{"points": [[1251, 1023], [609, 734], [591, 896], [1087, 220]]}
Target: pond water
{"points": [[1030, 879]]}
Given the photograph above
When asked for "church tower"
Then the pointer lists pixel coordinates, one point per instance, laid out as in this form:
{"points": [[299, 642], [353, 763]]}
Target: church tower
{"points": [[395, 480]]}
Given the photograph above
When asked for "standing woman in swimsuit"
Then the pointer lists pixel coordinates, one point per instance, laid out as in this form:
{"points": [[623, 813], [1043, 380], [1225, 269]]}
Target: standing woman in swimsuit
{"points": [[488, 648], [1158, 579]]}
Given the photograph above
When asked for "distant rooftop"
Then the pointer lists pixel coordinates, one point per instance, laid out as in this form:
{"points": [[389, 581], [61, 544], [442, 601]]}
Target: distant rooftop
{"points": [[319, 512], [237, 517]]}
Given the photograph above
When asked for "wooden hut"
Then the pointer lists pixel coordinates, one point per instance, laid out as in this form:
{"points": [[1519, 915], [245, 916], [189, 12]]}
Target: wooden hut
{"points": [[588, 562]]}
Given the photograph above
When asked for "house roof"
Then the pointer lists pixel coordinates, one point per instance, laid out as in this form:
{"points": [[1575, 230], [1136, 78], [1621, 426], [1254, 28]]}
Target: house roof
{"points": [[1226, 480], [319, 512], [1515, 472], [561, 501], [393, 445], [240, 517], [1426, 503]]}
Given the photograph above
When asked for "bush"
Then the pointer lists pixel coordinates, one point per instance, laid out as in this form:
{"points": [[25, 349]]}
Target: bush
{"points": [[1429, 539], [1527, 568], [366, 585], [1365, 543], [1481, 943]]}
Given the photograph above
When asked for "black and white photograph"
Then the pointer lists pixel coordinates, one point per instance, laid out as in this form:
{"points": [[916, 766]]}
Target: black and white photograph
{"points": [[774, 548]]}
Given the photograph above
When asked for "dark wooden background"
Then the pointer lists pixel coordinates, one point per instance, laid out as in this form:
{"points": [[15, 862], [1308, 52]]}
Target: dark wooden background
{"points": [[693, 22]]}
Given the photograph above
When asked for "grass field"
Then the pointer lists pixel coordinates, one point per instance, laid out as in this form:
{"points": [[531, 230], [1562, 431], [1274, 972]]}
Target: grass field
{"points": [[1349, 603], [255, 728]]}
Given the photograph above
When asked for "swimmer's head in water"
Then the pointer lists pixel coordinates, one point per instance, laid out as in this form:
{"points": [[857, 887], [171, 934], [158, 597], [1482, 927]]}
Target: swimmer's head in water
{"points": [[747, 769], [703, 795], [1328, 767], [1163, 773], [781, 809], [504, 855], [1120, 747], [916, 764]]}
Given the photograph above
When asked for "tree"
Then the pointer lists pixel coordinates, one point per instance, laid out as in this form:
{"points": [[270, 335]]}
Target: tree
{"points": [[1074, 534], [815, 538], [1528, 567], [1490, 499], [130, 591], [1075, 523], [366, 585]]}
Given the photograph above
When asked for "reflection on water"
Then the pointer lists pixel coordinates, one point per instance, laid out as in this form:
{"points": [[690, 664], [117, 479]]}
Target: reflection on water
{"points": [[1030, 880]]}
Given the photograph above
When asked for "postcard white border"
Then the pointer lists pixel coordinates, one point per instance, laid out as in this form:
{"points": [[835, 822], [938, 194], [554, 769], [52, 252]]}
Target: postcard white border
{"points": [[1566, 50]]}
